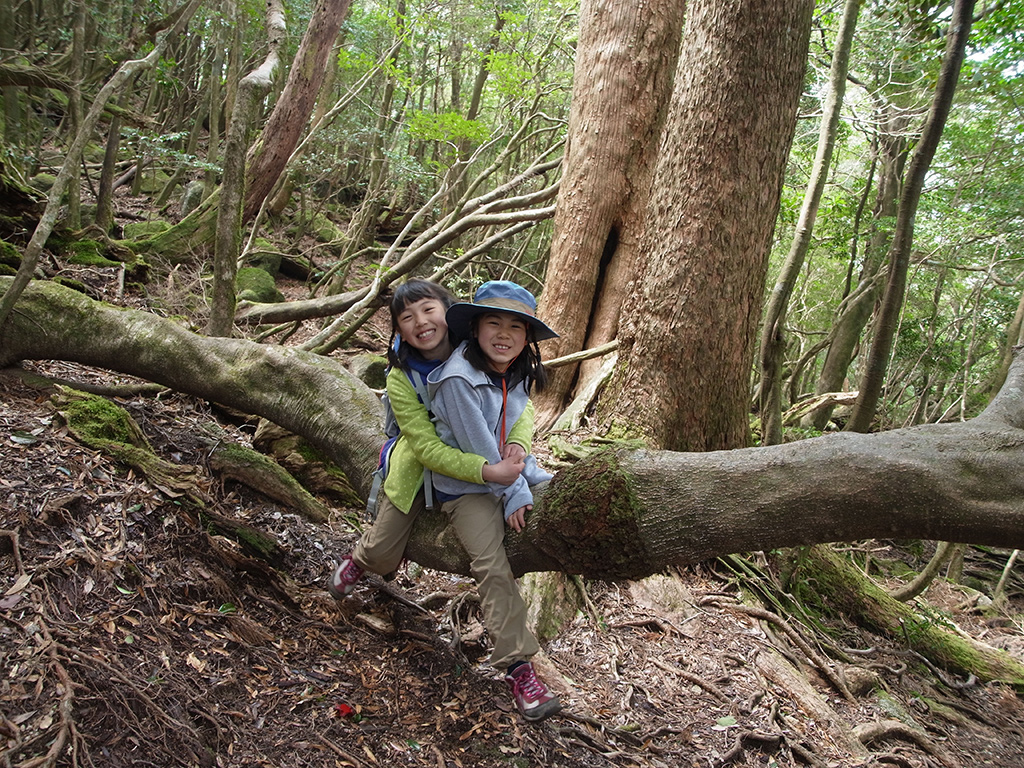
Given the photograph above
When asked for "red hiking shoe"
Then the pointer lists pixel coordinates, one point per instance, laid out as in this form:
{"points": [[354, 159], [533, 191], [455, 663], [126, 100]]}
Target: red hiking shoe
{"points": [[345, 577], [533, 698]]}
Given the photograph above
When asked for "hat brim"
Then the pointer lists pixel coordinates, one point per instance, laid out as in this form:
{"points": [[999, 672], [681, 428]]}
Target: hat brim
{"points": [[460, 320]]}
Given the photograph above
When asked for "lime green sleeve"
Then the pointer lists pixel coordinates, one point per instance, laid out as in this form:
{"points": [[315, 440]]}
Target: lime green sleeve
{"points": [[522, 431], [418, 430]]}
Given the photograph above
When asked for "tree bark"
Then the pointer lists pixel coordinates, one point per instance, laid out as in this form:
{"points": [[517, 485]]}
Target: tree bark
{"points": [[683, 376], [619, 515], [899, 254], [625, 59]]}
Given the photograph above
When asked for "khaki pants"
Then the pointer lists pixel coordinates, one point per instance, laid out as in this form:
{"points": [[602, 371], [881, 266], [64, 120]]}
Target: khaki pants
{"points": [[480, 524], [381, 548]]}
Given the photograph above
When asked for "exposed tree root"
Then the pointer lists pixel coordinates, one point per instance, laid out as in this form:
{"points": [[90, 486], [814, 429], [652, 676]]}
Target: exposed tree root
{"points": [[848, 590], [894, 729], [768, 742], [830, 674]]}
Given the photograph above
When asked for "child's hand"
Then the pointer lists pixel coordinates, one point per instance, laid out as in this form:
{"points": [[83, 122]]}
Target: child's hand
{"points": [[513, 450], [505, 472], [517, 520]]}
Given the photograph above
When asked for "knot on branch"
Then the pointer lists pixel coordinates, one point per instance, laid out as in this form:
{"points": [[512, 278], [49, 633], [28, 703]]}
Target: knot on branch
{"points": [[593, 524]]}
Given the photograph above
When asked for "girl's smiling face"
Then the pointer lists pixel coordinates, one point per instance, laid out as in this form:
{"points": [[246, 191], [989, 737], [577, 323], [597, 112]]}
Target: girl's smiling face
{"points": [[423, 326], [502, 338]]}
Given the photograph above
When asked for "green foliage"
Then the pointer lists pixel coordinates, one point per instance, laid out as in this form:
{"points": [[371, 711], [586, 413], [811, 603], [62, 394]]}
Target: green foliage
{"points": [[446, 126], [164, 148]]}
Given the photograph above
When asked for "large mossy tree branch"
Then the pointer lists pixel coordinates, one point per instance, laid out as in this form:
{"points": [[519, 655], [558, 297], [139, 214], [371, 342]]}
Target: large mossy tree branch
{"points": [[307, 394], [623, 514]]}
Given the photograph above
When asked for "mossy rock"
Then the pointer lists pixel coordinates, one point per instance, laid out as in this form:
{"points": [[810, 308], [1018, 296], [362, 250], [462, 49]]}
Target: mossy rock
{"points": [[191, 197], [254, 284], [320, 227], [10, 256], [93, 153], [264, 256], [42, 182], [89, 253], [153, 183], [369, 369], [142, 230]]}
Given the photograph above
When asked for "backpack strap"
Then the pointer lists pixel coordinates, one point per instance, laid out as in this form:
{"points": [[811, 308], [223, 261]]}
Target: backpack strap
{"points": [[419, 383], [378, 477]]}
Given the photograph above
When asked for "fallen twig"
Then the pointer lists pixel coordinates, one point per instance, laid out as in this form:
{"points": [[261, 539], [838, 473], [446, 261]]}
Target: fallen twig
{"points": [[697, 680]]}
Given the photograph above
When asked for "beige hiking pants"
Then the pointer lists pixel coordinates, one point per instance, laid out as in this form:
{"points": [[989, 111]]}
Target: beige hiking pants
{"points": [[380, 549], [479, 522]]}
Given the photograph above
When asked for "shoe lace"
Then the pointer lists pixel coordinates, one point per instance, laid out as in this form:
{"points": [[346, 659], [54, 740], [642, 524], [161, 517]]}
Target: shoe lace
{"points": [[528, 684], [350, 572]]}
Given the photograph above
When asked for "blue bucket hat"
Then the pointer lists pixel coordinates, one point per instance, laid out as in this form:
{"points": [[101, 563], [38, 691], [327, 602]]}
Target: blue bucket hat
{"points": [[497, 296]]}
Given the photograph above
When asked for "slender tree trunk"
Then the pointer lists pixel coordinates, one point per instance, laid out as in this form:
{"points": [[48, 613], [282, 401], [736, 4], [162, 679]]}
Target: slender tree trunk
{"points": [[291, 112], [232, 192], [773, 342], [683, 376], [215, 113], [899, 253], [1014, 338], [464, 147], [625, 61], [860, 304], [105, 193], [75, 110]]}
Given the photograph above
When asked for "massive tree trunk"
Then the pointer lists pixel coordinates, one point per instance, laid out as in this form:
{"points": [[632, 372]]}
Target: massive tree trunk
{"points": [[626, 55], [620, 515], [683, 376]]}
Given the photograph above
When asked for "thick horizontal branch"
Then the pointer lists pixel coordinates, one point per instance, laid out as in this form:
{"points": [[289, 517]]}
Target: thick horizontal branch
{"points": [[620, 514]]}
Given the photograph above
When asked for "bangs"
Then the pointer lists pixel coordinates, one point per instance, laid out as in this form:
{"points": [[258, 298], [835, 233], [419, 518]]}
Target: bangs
{"points": [[416, 290]]}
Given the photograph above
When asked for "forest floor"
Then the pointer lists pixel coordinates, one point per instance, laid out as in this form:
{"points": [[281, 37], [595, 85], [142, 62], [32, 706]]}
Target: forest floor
{"points": [[132, 635]]}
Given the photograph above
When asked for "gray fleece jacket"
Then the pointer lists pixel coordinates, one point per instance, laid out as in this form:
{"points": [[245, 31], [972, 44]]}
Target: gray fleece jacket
{"points": [[467, 408]]}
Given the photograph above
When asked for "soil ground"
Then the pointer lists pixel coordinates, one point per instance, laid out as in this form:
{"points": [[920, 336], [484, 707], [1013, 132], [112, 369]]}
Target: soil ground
{"points": [[132, 635]]}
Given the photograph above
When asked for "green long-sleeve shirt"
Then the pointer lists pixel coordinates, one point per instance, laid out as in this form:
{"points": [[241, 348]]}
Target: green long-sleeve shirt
{"points": [[418, 446]]}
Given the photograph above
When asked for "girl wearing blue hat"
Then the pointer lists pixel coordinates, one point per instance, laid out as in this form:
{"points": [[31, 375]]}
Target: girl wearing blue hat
{"points": [[481, 390]]}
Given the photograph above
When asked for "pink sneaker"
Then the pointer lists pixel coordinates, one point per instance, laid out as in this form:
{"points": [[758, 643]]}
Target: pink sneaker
{"points": [[345, 577], [533, 698]]}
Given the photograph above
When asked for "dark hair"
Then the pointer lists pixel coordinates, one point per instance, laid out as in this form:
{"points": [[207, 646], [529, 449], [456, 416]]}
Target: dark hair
{"points": [[527, 367], [409, 292]]}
